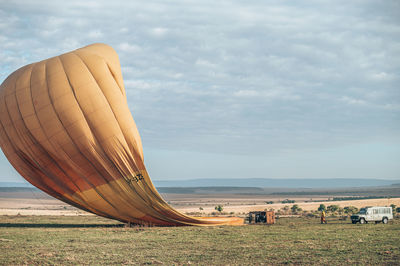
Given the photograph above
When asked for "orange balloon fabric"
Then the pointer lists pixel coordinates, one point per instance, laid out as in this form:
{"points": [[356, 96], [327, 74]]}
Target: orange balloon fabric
{"points": [[66, 127]]}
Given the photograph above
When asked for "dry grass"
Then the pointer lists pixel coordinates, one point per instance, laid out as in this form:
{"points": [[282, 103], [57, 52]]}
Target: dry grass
{"points": [[94, 240]]}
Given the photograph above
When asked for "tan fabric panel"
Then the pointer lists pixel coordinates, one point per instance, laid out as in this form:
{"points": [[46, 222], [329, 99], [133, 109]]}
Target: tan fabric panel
{"points": [[66, 127]]}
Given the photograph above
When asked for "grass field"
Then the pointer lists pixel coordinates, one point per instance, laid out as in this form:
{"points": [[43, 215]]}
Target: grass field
{"points": [[94, 240]]}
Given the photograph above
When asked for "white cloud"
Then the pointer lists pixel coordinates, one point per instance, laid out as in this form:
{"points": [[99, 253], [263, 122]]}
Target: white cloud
{"points": [[212, 75], [352, 101], [204, 63], [131, 48], [124, 30], [381, 76], [70, 43], [95, 34], [246, 93], [267, 94], [392, 107], [158, 32]]}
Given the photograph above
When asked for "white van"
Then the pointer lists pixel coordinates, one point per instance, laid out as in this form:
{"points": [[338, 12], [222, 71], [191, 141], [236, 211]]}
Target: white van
{"points": [[373, 214]]}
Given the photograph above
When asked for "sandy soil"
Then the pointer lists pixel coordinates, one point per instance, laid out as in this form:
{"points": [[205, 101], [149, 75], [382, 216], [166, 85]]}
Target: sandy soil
{"points": [[186, 204], [308, 206], [26, 206]]}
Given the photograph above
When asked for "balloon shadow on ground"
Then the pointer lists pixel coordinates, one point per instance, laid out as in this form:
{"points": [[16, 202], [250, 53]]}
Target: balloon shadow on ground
{"points": [[50, 225]]}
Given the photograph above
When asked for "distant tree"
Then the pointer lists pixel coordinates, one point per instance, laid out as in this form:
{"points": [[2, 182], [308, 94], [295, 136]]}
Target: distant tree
{"points": [[201, 208], [332, 208], [288, 201], [219, 208], [393, 207], [350, 209], [284, 209], [269, 202], [295, 208], [322, 207]]}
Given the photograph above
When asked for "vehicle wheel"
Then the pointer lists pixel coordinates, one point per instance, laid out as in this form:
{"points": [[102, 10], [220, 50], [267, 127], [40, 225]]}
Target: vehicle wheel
{"points": [[362, 221], [385, 220]]}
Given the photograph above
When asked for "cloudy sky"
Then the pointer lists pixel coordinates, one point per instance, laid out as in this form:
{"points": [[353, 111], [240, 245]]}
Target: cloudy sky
{"points": [[238, 89]]}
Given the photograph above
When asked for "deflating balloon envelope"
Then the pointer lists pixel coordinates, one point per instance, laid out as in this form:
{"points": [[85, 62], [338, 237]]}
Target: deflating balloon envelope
{"points": [[66, 127]]}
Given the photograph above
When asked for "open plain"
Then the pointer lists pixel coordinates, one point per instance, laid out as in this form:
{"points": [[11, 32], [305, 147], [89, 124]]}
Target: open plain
{"points": [[89, 240], [34, 202], [38, 229]]}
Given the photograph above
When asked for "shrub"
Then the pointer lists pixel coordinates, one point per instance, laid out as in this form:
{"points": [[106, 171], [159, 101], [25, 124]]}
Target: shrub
{"points": [[350, 210], [295, 208], [219, 208], [332, 208], [288, 201]]}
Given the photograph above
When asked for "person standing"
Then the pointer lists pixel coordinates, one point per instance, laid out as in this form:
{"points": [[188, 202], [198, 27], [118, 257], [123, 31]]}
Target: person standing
{"points": [[323, 217]]}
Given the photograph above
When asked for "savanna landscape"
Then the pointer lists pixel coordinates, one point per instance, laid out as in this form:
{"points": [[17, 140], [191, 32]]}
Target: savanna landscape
{"points": [[37, 229], [211, 132], [72, 240]]}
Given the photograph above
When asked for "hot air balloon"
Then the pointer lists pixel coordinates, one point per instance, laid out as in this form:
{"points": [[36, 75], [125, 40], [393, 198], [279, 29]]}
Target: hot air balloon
{"points": [[65, 126]]}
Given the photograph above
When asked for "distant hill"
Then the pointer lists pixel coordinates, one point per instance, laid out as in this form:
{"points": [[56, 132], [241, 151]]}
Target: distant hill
{"points": [[277, 183], [252, 183], [15, 184], [18, 189], [386, 191], [211, 190]]}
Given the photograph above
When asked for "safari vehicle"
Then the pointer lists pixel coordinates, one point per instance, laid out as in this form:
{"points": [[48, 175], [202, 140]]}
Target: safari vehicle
{"points": [[261, 217], [373, 214]]}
